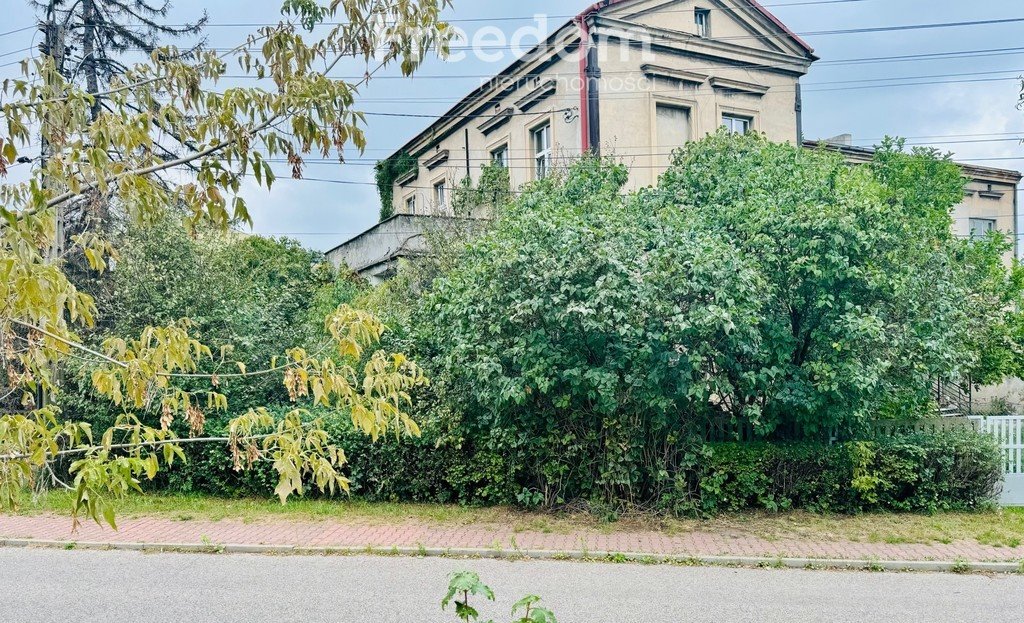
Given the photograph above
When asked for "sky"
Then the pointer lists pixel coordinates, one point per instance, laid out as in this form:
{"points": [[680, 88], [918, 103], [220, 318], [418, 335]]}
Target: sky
{"points": [[947, 96]]}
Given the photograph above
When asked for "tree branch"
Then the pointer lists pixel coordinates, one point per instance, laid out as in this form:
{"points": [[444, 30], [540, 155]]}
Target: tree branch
{"points": [[173, 375], [142, 444], [184, 160]]}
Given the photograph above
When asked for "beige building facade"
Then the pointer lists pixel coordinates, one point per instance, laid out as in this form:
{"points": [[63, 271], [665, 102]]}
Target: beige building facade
{"points": [[631, 78]]}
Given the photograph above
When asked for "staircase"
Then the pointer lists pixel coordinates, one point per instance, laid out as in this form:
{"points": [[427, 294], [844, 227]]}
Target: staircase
{"points": [[954, 399]]}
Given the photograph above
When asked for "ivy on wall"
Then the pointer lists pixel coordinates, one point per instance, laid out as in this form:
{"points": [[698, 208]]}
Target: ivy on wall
{"points": [[386, 172], [492, 191]]}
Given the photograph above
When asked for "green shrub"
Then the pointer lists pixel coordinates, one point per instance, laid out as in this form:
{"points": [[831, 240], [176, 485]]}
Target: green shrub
{"points": [[588, 332], [436, 467], [771, 476], [921, 472], [583, 333]]}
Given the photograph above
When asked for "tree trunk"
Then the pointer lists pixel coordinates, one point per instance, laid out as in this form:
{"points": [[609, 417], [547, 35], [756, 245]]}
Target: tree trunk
{"points": [[89, 65]]}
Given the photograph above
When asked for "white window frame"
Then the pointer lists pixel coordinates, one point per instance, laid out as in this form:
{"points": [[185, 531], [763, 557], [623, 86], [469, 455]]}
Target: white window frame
{"points": [[729, 121], [702, 18], [441, 193], [410, 204], [501, 149], [988, 225], [542, 159]]}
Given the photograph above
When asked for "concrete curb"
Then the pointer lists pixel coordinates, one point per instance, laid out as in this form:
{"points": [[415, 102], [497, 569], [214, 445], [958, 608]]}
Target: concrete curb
{"points": [[465, 552]]}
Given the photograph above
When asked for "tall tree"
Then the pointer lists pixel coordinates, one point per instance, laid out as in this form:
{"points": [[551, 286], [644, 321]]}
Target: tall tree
{"points": [[97, 34], [90, 42]]}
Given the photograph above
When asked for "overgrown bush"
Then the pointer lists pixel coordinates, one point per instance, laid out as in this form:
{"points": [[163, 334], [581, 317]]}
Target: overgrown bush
{"points": [[267, 296], [920, 472], [583, 334], [591, 334], [435, 467], [580, 344]]}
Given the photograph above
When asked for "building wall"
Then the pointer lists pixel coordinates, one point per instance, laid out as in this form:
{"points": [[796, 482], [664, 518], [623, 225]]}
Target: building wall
{"points": [[629, 40], [515, 134], [988, 198], [629, 125], [677, 16], [372, 254]]}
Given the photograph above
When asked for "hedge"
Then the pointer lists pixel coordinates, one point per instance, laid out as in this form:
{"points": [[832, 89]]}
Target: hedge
{"points": [[436, 467], [920, 472]]}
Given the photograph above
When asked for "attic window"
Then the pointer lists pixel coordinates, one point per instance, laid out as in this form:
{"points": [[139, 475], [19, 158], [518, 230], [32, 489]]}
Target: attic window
{"points": [[702, 17]]}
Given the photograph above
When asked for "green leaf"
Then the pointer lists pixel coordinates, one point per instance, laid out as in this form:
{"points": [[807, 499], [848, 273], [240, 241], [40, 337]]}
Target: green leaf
{"points": [[108, 516]]}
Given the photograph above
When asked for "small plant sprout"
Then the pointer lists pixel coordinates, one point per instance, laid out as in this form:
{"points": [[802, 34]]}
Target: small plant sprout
{"points": [[532, 613], [463, 584]]}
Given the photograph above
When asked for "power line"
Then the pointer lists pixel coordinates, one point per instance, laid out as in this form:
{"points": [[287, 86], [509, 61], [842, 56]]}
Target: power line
{"points": [[16, 52], [953, 75], [510, 18], [17, 30], [871, 140], [426, 116], [851, 61], [854, 85], [344, 233], [846, 31], [482, 161], [922, 56], [643, 94]]}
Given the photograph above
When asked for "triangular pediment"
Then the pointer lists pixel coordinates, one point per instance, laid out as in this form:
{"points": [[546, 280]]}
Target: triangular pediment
{"points": [[736, 22]]}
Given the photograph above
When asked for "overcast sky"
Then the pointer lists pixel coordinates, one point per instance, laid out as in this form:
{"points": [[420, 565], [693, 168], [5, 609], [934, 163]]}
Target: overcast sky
{"points": [[955, 96]]}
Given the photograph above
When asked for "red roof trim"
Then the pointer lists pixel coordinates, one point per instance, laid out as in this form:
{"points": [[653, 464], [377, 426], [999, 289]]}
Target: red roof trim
{"points": [[603, 4], [778, 22], [598, 6]]}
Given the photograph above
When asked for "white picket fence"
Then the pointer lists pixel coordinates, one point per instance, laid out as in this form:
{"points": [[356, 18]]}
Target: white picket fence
{"points": [[1009, 432]]}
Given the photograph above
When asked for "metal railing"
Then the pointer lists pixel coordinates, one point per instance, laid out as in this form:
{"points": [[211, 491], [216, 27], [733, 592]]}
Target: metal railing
{"points": [[954, 399]]}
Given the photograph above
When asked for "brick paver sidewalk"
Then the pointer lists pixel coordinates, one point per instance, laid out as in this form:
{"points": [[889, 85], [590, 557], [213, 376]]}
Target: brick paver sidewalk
{"points": [[338, 534]]}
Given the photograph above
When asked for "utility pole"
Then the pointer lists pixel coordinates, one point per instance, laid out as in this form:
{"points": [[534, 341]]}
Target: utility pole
{"points": [[54, 47]]}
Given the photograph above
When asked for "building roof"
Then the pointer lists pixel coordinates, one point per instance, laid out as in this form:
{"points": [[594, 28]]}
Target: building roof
{"points": [[757, 5], [865, 154], [472, 99], [603, 4]]}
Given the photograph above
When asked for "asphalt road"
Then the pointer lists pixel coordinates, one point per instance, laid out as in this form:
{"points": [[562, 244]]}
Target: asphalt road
{"points": [[62, 586]]}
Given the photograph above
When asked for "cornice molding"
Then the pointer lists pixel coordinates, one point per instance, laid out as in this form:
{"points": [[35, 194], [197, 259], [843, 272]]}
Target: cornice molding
{"points": [[436, 160], [546, 89], [408, 177], [677, 75], [495, 121], [736, 86]]}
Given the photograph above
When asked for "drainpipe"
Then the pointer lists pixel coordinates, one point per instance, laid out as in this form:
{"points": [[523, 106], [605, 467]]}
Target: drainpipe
{"points": [[584, 86], [593, 72], [590, 86], [469, 171], [1016, 222], [799, 116]]}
